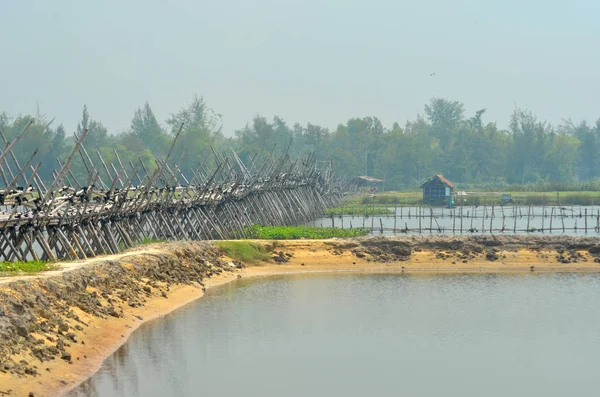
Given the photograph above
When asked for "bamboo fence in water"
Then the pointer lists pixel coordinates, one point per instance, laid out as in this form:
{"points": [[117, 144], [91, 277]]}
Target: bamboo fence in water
{"points": [[508, 218]]}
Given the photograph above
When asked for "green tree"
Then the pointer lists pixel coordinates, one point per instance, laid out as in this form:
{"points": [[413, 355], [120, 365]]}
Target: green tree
{"points": [[561, 159], [315, 139], [588, 162], [529, 146], [201, 127], [445, 116], [97, 134], [146, 129]]}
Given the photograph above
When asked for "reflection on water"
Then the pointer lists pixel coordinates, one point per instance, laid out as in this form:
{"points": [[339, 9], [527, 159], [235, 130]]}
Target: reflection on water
{"points": [[357, 335]]}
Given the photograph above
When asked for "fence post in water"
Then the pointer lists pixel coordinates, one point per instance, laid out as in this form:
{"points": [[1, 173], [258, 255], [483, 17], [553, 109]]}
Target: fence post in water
{"points": [[528, 217], [454, 221], [430, 219], [483, 217], [381, 225], [373, 214], [551, 216], [395, 210], [543, 218], [492, 219], [544, 209], [461, 220], [586, 220], [419, 216], [471, 217]]}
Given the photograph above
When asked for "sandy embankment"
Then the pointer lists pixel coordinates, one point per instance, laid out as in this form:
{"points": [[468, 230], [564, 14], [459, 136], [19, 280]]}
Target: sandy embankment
{"points": [[56, 329]]}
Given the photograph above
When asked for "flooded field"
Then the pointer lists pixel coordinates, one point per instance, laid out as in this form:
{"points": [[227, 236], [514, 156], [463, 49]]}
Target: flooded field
{"points": [[571, 220]]}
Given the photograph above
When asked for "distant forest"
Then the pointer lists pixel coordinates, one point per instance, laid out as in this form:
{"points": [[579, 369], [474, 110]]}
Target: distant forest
{"points": [[467, 149]]}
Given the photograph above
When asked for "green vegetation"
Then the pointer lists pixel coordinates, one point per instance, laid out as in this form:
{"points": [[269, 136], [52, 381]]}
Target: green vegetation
{"points": [[590, 186], [358, 210], [298, 232], [528, 154], [27, 267], [388, 200], [243, 251], [538, 198]]}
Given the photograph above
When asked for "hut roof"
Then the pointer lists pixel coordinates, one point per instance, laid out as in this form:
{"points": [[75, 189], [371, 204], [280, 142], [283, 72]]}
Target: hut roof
{"points": [[369, 179], [366, 179], [441, 178]]}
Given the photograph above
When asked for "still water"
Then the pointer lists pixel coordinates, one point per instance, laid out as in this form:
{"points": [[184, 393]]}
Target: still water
{"points": [[369, 335], [571, 221]]}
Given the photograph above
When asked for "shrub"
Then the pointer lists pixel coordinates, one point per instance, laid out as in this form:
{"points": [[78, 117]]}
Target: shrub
{"points": [[244, 251], [298, 232]]}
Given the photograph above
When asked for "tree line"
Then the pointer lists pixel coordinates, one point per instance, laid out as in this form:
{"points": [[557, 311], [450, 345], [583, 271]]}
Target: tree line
{"points": [[465, 148]]}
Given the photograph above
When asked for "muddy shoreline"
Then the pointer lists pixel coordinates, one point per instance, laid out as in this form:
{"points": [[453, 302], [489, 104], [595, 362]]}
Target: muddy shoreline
{"points": [[57, 328]]}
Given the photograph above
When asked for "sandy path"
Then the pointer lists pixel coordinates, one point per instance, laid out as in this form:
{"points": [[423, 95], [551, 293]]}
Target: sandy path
{"points": [[68, 266]]}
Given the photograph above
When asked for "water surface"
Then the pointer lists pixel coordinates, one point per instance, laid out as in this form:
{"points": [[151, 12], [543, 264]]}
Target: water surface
{"points": [[369, 335], [567, 220]]}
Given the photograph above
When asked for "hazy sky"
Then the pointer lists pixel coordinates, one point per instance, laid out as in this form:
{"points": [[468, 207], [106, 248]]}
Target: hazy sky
{"points": [[322, 61]]}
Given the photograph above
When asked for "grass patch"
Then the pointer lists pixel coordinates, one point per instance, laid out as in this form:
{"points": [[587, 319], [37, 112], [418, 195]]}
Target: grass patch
{"points": [[299, 232], [358, 210], [412, 198], [27, 267], [243, 251], [387, 199], [537, 198]]}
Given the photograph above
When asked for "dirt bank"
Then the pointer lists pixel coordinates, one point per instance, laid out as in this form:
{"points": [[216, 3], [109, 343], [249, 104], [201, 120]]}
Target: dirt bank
{"points": [[436, 254], [57, 328]]}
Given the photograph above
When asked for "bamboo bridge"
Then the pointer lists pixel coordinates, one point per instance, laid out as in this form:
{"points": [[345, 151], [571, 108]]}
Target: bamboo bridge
{"points": [[120, 205]]}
